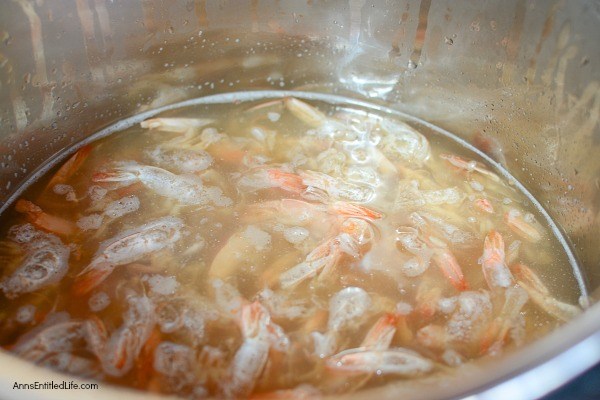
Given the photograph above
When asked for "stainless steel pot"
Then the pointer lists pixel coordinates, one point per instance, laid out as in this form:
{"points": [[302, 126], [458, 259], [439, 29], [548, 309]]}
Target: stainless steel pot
{"points": [[521, 78]]}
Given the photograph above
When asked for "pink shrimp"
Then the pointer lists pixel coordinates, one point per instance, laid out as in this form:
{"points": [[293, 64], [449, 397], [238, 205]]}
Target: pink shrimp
{"points": [[395, 361], [128, 247], [70, 167], [496, 334], [353, 234], [484, 205], [540, 295], [260, 334], [42, 220], [521, 227], [469, 166], [318, 186], [493, 263], [117, 353], [447, 263]]}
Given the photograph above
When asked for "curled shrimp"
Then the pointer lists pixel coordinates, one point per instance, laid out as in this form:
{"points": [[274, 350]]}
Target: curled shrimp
{"points": [[318, 186], [403, 143], [346, 307], [484, 205], [185, 189], [354, 233], [260, 334], [117, 353], [54, 344], [496, 272], [127, 247]]}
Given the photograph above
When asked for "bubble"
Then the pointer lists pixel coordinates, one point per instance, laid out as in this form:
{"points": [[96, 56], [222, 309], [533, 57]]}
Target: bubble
{"points": [[98, 301], [25, 314]]}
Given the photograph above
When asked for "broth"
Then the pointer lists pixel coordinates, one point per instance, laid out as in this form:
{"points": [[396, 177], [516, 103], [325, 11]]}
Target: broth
{"points": [[282, 245]]}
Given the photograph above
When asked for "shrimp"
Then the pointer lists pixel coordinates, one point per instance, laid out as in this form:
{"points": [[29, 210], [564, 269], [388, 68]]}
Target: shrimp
{"points": [[470, 314], [354, 233], [447, 263], [427, 297], [183, 161], [46, 261], [469, 166], [496, 272], [403, 143], [176, 363], [185, 189], [52, 344], [378, 338], [260, 334], [127, 247], [540, 295], [321, 187], [70, 167], [495, 336], [244, 247], [432, 223], [395, 361], [42, 220], [219, 145], [345, 309], [519, 225], [183, 316], [484, 205], [57, 334], [117, 353], [422, 254], [177, 125]]}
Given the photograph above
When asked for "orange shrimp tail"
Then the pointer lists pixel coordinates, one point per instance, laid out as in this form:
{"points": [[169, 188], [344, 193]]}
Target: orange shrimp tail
{"points": [[355, 210], [145, 372], [484, 205], [70, 167], [85, 283], [451, 269], [286, 181], [491, 336]]}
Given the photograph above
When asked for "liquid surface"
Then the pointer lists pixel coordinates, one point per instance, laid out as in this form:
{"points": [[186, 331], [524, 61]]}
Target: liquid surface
{"points": [[297, 247]]}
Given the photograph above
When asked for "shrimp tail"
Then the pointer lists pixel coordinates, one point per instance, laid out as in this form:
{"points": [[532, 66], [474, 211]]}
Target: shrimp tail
{"points": [[286, 181], [89, 278]]}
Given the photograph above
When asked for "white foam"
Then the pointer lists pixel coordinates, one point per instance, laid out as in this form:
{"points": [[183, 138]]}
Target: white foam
{"points": [[90, 222], [346, 305], [295, 234], [25, 314], [258, 238], [162, 285], [122, 206], [98, 301]]}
